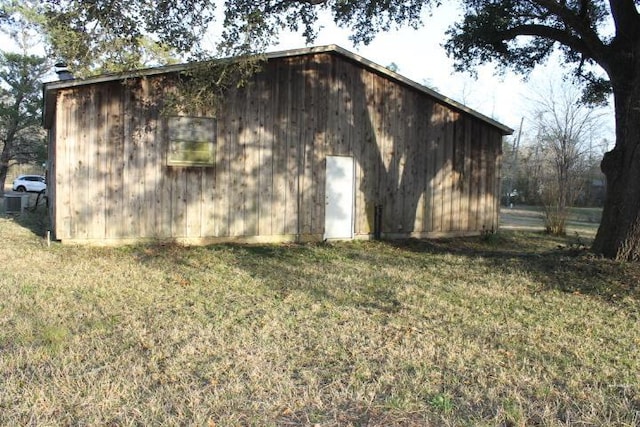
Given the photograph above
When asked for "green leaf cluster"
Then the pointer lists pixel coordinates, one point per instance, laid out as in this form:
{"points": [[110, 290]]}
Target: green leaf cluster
{"points": [[200, 89], [114, 35], [519, 35]]}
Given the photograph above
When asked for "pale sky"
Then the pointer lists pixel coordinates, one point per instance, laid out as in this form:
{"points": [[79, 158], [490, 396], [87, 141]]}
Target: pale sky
{"points": [[420, 56]]}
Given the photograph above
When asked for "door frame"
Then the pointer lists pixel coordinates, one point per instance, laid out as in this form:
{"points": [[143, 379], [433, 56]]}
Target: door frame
{"points": [[345, 166]]}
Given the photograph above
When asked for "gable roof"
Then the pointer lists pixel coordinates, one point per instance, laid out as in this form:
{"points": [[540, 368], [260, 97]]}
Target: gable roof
{"points": [[51, 88]]}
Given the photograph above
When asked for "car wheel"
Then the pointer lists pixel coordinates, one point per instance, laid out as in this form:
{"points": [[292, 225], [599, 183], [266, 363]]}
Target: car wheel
{"points": [[21, 189]]}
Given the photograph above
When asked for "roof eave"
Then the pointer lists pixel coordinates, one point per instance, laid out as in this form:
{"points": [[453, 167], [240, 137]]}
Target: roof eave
{"points": [[50, 88]]}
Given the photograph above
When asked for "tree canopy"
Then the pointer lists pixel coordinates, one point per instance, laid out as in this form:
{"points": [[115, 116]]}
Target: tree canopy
{"points": [[111, 35], [114, 34], [21, 135]]}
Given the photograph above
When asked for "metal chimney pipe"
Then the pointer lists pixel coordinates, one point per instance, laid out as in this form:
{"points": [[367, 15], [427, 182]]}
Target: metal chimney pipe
{"points": [[63, 72]]}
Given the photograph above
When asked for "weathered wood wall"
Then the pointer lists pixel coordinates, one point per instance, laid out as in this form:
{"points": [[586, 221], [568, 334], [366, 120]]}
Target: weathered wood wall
{"points": [[433, 169]]}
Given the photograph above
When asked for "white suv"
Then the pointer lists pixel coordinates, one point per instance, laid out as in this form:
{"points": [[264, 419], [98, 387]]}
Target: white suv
{"points": [[34, 183]]}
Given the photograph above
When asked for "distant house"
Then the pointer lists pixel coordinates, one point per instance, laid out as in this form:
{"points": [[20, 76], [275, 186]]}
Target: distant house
{"points": [[323, 144]]}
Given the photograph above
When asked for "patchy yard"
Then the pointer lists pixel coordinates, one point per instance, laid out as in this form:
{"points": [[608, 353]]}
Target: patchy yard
{"points": [[511, 329]]}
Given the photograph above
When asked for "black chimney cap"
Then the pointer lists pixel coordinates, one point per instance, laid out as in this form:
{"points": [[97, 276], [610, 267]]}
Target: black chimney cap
{"points": [[62, 71]]}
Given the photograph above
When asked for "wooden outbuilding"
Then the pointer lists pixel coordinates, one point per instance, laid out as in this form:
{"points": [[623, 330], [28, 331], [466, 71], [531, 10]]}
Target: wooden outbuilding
{"points": [[321, 144]]}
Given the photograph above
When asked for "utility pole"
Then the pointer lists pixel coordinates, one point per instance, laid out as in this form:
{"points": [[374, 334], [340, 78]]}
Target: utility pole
{"points": [[514, 164]]}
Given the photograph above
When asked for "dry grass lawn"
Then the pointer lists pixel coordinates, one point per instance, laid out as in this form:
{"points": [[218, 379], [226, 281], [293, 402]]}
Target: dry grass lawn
{"points": [[504, 330]]}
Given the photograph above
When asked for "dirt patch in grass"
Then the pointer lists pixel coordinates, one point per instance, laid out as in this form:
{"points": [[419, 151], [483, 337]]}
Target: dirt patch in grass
{"points": [[507, 329]]}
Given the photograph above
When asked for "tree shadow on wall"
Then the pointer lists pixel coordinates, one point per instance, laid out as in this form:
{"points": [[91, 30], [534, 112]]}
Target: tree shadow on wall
{"points": [[269, 176]]}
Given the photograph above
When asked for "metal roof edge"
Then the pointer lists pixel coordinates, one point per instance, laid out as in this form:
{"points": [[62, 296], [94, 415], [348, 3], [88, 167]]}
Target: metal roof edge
{"points": [[164, 69], [332, 48]]}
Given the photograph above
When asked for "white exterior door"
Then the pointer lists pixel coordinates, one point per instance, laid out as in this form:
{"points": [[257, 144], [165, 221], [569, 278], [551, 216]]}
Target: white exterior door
{"points": [[339, 198]]}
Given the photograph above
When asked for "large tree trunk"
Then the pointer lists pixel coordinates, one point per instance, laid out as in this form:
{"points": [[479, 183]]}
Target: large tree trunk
{"points": [[619, 233], [3, 179], [4, 166]]}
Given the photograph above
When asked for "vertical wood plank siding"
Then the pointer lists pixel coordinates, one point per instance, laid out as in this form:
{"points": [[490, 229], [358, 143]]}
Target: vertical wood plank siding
{"points": [[433, 169]]}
